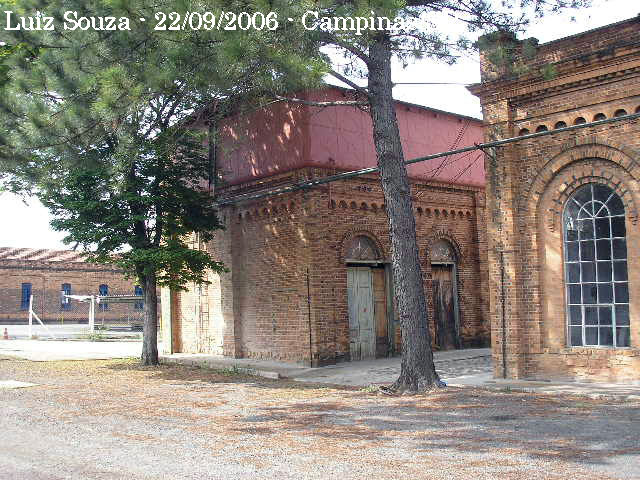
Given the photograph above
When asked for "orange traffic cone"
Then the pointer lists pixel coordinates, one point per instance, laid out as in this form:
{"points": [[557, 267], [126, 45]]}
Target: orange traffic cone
{"points": [[6, 335]]}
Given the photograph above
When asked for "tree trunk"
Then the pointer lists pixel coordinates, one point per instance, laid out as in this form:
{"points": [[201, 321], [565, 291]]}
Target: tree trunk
{"points": [[150, 326], [417, 373]]}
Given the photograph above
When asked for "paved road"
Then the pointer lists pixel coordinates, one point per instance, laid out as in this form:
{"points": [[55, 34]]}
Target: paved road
{"points": [[468, 368], [44, 351], [450, 365]]}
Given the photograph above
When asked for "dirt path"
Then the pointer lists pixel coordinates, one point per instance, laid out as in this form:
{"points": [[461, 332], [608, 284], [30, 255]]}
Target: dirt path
{"points": [[116, 420]]}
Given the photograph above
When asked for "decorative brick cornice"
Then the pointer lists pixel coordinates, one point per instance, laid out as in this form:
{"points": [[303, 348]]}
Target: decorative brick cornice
{"points": [[521, 90], [56, 267]]}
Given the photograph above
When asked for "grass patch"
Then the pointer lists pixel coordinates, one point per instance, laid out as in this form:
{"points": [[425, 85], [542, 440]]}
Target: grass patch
{"points": [[370, 389], [232, 371]]}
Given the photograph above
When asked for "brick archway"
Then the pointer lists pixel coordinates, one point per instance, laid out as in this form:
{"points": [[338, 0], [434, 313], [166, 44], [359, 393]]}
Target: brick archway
{"points": [[613, 180], [571, 152], [350, 236], [449, 237]]}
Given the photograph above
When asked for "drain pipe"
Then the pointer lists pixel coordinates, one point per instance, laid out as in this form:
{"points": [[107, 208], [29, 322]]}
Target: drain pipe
{"points": [[504, 320], [309, 317]]}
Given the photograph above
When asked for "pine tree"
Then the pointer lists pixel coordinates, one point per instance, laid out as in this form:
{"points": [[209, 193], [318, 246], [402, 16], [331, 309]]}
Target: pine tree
{"points": [[108, 129], [369, 54]]}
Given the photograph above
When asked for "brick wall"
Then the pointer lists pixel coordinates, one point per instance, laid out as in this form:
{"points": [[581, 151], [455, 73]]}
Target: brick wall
{"points": [[597, 74], [285, 296], [46, 279]]}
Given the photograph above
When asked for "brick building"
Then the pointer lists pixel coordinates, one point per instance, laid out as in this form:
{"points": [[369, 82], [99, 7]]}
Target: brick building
{"points": [[309, 276], [45, 274], [562, 209]]}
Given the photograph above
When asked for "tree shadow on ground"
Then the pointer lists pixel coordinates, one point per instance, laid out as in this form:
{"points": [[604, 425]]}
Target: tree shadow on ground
{"points": [[570, 429], [192, 374], [534, 425]]}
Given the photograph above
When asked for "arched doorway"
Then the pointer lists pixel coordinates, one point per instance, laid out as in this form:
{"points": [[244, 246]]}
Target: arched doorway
{"points": [[369, 300], [445, 295]]}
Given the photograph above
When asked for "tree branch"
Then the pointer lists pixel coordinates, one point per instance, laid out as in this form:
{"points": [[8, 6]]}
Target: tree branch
{"points": [[352, 84], [336, 103], [331, 39]]}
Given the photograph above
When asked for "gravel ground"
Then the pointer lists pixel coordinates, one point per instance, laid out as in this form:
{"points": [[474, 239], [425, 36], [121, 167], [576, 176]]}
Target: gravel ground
{"points": [[116, 420]]}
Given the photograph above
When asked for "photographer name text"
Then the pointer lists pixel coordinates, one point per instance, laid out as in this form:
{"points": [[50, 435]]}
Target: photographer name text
{"points": [[310, 20]]}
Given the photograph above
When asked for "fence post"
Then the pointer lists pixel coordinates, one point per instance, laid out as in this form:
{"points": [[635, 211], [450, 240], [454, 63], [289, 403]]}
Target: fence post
{"points": [[30, 317], [92, 314]]}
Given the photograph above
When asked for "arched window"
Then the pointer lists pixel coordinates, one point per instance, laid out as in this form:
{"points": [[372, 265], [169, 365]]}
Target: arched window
{"points": [[595, 259], [442, 252], [362, 248]]}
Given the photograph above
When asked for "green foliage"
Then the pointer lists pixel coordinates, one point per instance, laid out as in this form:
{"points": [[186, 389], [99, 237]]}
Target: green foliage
{"points": [[370, 389], [549, 71], [5, 52], [233, 371], [141, 206], [96, 337], [106, 128]]}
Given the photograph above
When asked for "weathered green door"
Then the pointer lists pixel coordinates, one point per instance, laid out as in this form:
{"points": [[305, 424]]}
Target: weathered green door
{"points": [[362, 334]]}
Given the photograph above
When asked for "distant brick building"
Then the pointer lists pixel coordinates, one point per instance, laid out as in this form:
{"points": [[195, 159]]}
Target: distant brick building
{"points": [[562, 210], [45, 274], [309, 276]]}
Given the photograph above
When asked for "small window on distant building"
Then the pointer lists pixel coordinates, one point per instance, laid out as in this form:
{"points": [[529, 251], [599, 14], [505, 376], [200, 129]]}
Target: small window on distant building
{"points": [[65, 303], [137, 290], [599, 116], [26, 295], [579, 121], [541, 128], [103, 291]]}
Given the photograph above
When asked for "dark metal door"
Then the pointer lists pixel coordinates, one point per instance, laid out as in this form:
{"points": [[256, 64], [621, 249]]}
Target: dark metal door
{"points": [[444, 307]]}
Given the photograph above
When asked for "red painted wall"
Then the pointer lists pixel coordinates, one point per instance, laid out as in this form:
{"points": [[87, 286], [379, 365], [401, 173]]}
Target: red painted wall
{"points": [[284, 136]]}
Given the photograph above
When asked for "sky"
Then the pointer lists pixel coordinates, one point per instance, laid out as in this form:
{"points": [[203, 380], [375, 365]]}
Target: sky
{"points": [[25, 223]]}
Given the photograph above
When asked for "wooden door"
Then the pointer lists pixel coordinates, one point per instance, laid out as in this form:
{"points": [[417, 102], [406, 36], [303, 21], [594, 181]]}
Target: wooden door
{"points": [[444, 307], [362, 335], [380, 304]]}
